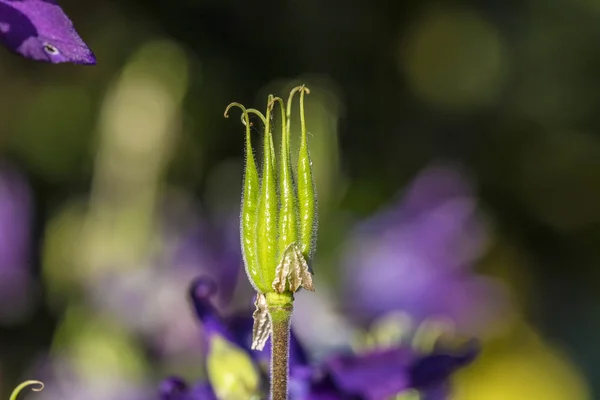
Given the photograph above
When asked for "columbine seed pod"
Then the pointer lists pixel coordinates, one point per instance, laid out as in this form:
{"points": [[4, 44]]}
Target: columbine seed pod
{"points": [[278, 218]]}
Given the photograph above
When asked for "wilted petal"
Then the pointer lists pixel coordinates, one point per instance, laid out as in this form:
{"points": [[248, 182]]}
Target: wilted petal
{"points": [[262, 323]]}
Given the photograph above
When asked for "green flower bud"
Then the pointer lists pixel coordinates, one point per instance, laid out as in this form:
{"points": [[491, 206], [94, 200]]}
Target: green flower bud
{"points": [[231, 371]]}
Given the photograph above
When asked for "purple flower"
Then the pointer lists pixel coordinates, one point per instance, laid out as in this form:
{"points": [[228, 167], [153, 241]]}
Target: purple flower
{"points": [[373, 375], [237, 328], [416, 256], [41, 31]]}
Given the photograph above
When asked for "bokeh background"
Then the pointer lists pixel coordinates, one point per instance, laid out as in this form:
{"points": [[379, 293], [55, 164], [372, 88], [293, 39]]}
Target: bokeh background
{"points": [[119, 183]]}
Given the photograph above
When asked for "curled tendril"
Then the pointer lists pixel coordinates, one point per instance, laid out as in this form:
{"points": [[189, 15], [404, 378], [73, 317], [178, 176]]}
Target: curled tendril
{"points": [[258, 114], [272, 101], [245, 113], [23, 385], [245, 118], [303, 89]]}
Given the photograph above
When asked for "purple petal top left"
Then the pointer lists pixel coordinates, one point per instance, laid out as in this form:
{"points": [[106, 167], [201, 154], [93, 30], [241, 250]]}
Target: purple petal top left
{"points": [[41, 31]]}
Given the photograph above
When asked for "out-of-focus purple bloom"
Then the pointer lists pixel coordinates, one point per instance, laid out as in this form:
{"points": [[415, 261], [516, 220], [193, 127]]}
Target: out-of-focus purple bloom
{"points": [[373, 375], [416, 256], [381, 373], [15, 225], [237, 328], [144, 297], [201, 292], [173, 389], [220, 248], [41, 31]]}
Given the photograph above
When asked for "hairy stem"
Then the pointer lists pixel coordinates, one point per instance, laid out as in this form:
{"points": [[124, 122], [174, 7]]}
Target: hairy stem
{"points": [[280, 308]]}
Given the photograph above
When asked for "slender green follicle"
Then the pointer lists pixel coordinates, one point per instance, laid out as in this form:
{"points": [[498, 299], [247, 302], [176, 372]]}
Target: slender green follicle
{"points": [[266, 227], [288, 211], [307, 198], [18, 389], [249, 209]]}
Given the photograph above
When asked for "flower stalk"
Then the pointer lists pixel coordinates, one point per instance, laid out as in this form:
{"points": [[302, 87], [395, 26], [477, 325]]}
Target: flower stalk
{"points": [[280, 307]]}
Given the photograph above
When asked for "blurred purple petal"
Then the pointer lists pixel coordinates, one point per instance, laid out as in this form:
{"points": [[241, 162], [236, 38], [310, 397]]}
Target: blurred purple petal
{"points": [[173, 388], [202, 391], [145, 296], [433, 370], [434, 185], [238, 328], [323, 389], [372, 376], [377, 375], [416, 256], [201, 292], [15, 225], [211, 247], [438, 392]]}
